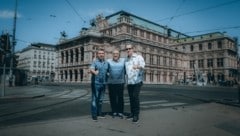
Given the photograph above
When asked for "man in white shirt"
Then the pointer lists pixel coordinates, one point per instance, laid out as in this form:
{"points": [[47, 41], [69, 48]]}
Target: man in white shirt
{"points": [[134, 65]]}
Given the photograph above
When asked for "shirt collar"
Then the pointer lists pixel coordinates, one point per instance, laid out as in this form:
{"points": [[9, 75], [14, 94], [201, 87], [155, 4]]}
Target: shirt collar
{"points": [[133, 55], [100, 60]]}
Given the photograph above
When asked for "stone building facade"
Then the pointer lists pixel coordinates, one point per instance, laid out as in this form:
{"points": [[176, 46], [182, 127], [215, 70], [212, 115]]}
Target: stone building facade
{"points": [[75, 55], [170, 56]]}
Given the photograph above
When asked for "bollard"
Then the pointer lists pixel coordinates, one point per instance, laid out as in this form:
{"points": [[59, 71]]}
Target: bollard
{"points": [[238, 92]]}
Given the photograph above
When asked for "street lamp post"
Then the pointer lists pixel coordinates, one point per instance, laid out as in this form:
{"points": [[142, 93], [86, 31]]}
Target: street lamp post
{"points": [[13, 44], [4, 76], [4, 72]]}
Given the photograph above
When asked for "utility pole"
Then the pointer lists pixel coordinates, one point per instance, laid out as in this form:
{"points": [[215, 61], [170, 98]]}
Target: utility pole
{"points": [[4, 74], [13, 45]]}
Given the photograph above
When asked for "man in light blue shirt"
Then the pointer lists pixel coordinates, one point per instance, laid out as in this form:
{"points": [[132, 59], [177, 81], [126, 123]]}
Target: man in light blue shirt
{"points": [[116, 82], [134, 65]]}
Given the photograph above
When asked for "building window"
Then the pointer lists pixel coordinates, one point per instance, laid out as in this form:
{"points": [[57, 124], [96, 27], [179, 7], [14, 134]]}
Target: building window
{"points": [[75, 74], [144, 56], [121, 19], [71, 56], [220, 62], [164, 61], [76, 55], [158, 76], [151, 76], [165, 77], [151, 59], [148, 35], [142, 33], [170, 62], [209, 46], [82, 53], [191, 63], [200, 63], [128, 29], [127, 19], [158, 60], [159, 39], [154, 37], [134, 31], [209, 63], [200, 47], [219, 44], [66, 56], [110, 32], [34, 64], [191, 47]]}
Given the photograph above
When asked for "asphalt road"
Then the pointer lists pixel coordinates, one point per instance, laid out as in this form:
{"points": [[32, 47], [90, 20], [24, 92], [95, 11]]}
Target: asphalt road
{"points": [[74, 102]]}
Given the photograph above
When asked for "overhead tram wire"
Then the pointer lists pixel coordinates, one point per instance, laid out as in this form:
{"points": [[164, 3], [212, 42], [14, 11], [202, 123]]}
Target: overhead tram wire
{"points": [[200, 10], [75, 11], [217, 29], [176, 11]]}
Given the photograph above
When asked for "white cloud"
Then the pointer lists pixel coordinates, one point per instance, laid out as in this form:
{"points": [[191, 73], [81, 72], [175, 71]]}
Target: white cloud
{"points": [[105, 12], [8, 14]]}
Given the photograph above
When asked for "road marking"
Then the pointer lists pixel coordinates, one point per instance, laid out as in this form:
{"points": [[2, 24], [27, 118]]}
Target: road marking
{"points": [[151, 102], [144, 104], [164, 105]]}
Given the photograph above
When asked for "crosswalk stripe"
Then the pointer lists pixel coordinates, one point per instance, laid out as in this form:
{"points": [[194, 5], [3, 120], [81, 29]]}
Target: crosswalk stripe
{"points": [[163, 105], [151, 102], [144, 104], [173, 104]]}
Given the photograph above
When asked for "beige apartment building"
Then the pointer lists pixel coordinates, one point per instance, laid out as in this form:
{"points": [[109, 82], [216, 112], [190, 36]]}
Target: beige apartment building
{"points": [[171, 57], [39, 60]]}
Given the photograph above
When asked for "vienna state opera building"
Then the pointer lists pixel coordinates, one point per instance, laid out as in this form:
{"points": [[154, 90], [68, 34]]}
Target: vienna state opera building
{"points": [[171, 57]]}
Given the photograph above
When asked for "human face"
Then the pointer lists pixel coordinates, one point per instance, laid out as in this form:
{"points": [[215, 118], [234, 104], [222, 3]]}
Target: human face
{"points": [[129, 50], [115, 55], [101, 55]]}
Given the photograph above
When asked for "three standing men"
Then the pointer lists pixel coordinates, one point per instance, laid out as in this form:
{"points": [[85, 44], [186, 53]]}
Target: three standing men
{"points": [[134, 65]]}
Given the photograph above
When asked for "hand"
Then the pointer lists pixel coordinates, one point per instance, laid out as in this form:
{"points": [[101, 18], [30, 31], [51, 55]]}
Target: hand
{"points": [[135, 67], [96, 72]]}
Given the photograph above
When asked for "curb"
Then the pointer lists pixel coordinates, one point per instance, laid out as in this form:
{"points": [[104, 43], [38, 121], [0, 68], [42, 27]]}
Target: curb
{"points": [[21, 97]]}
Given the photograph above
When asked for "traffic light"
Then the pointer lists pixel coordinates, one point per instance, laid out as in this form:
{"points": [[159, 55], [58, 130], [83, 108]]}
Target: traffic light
{"points": [[5, 43]]}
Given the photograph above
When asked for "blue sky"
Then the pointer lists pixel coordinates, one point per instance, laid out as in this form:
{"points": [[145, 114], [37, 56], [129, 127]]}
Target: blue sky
{"points": [[43, 20]]}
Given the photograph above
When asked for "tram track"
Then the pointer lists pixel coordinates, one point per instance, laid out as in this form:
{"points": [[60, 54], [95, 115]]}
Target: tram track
{"points": [[46, 106]]}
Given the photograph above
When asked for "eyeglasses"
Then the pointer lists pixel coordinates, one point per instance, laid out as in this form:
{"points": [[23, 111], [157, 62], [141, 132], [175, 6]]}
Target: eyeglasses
{"points": [[128, 49]]}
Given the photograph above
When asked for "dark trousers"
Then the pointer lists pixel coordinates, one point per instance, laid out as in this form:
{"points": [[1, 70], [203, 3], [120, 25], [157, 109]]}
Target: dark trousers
{"points": [[133, 92], [116, 97]]}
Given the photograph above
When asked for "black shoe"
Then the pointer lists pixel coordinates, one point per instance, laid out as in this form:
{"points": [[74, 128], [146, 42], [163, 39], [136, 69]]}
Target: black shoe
{"points": [[135, 119], [94, 118], [101, 116], [129, 117], [114, 115], [120, 115]]}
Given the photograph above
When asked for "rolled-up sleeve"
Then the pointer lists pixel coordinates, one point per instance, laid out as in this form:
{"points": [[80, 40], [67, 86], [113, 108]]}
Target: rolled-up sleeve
{"points": [[141, 61]]}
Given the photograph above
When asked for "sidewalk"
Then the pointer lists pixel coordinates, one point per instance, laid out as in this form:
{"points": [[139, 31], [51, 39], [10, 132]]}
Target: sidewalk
{"points": [[206, 119], [24, 92]]}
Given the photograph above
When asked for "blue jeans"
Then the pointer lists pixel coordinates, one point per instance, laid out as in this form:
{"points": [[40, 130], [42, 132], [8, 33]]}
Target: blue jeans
{"points": [[98, 91]]}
